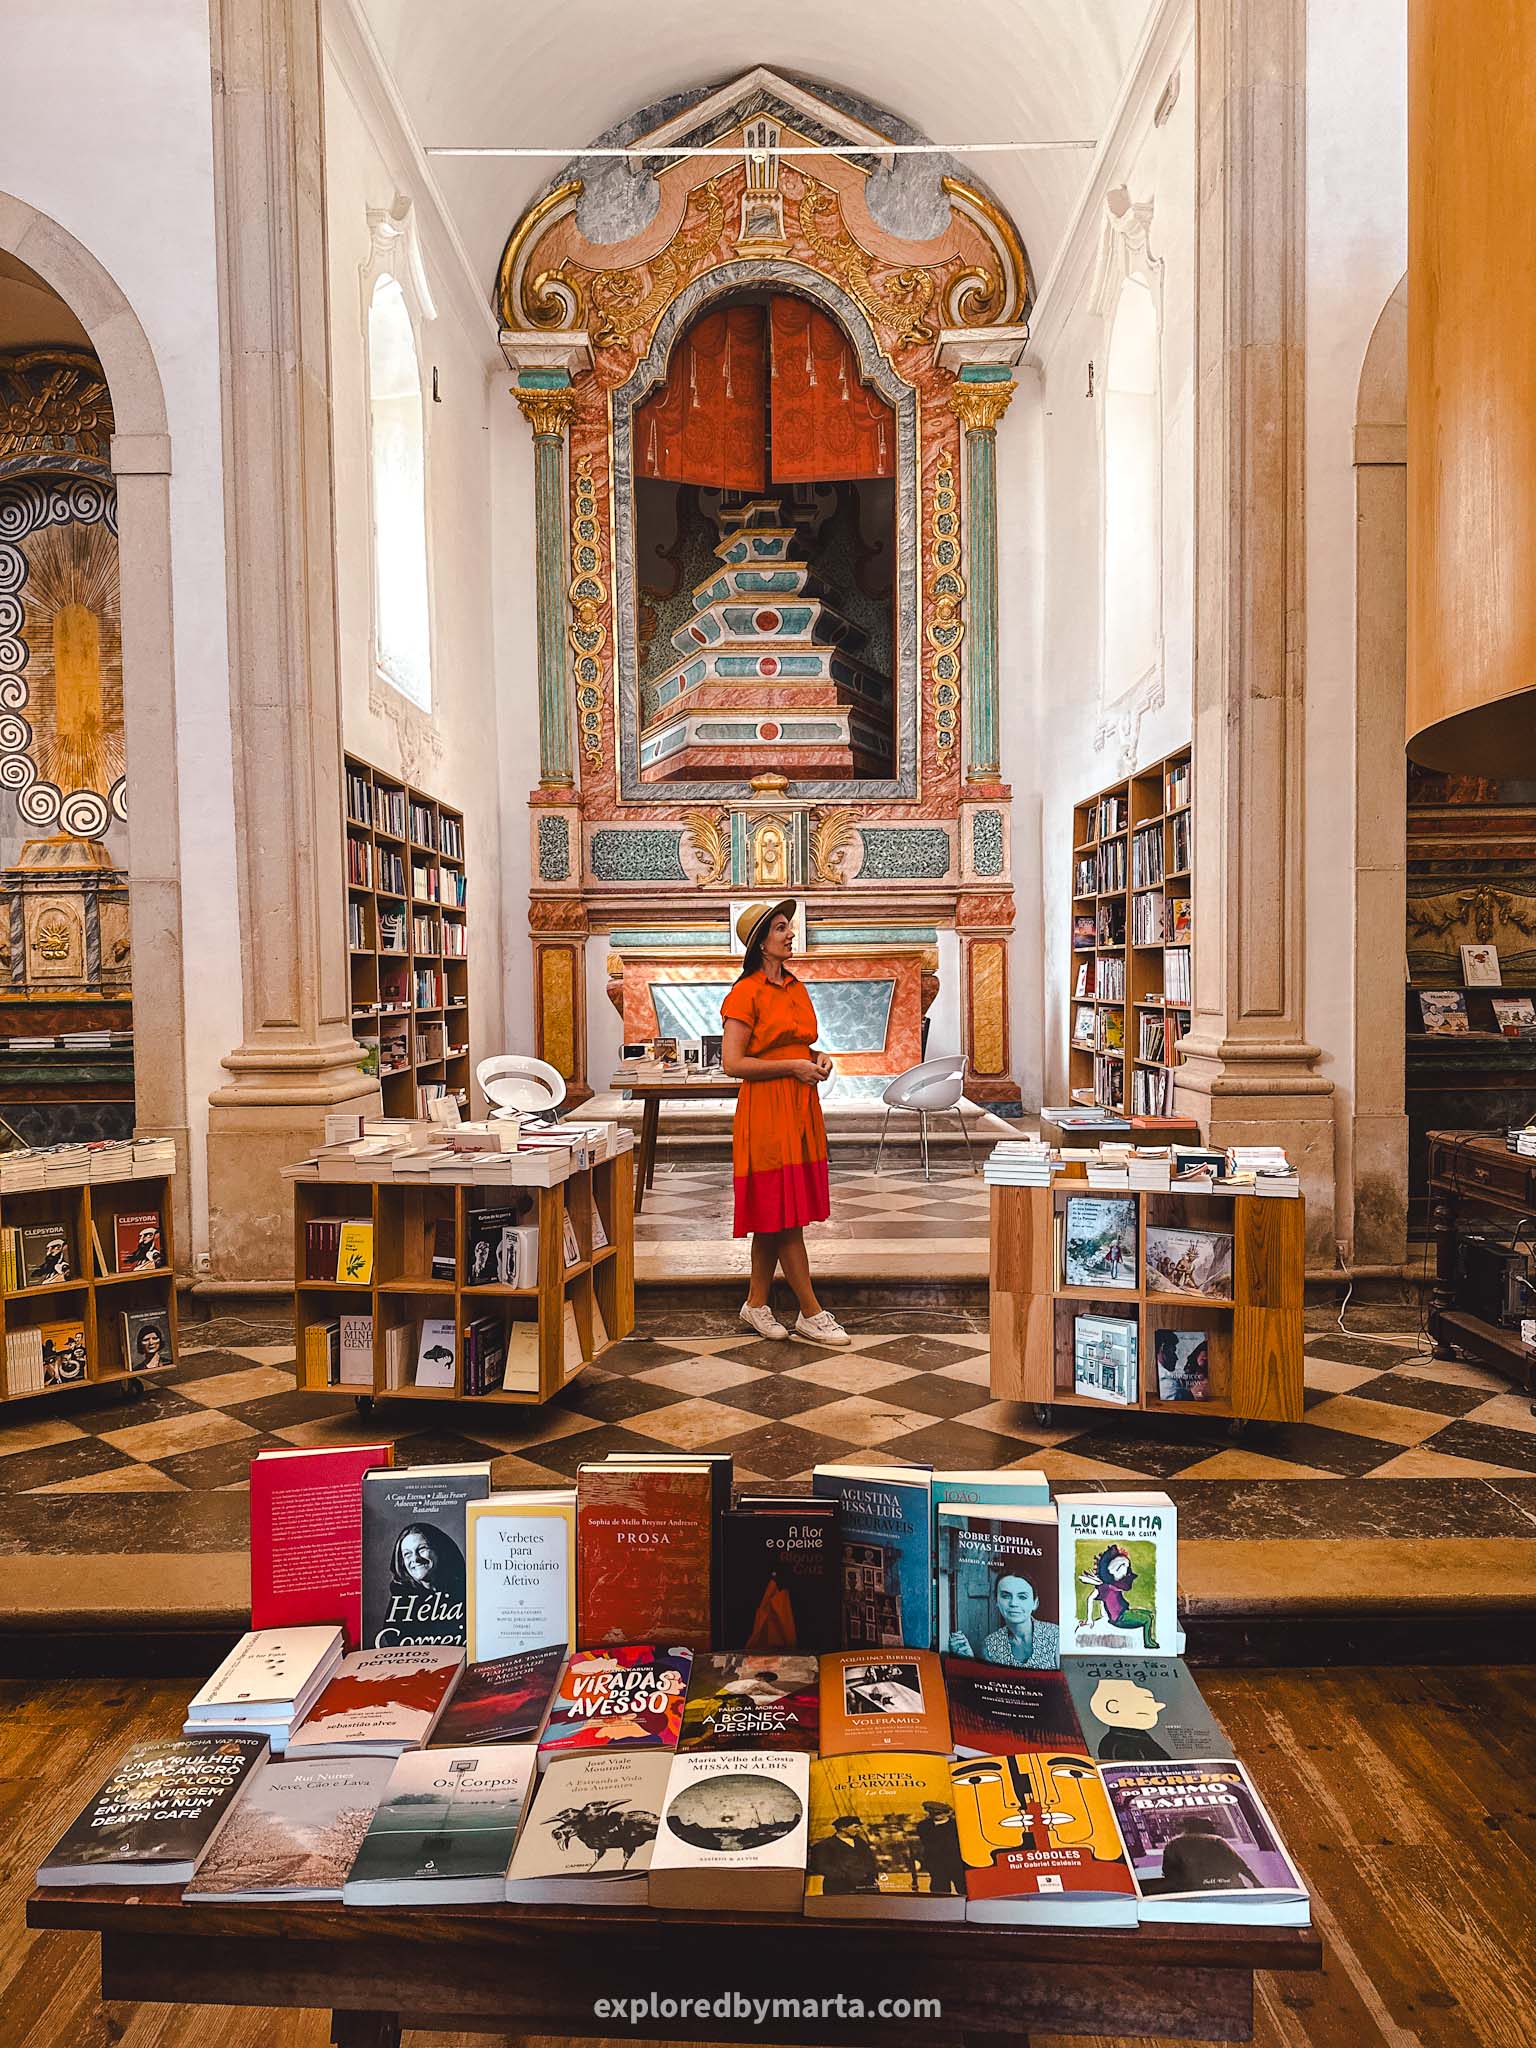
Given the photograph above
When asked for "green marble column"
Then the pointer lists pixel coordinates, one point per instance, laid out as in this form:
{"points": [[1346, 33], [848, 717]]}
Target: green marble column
{"points": [[546, 401], [979, 398]]}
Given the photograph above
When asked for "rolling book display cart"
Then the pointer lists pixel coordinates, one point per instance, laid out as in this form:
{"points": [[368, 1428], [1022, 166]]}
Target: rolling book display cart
{"points": [[86, 1215], [578, 1308], [1253, 1330]]}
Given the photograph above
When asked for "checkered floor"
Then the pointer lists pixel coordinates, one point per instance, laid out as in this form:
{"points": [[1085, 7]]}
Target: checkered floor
{"points": [[914, 1384], [692, 1203]]}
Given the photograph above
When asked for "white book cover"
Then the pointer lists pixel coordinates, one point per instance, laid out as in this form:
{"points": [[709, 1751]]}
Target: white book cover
{"points": [[739, 1811], [436, 1353], [520, 1375], [356, 1351], [1119, 1574], [591, 1831], [522, 1572], [267, 1672], [1104, 1359]]}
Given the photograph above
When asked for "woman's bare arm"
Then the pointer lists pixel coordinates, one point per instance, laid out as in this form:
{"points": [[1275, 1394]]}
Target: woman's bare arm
{"points": [[741, 1066]]}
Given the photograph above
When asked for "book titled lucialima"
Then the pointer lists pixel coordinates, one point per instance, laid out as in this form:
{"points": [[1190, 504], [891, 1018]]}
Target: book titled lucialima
{"points": [[1203, 1847], [445, 1829], [1118, 1574], [414, 1549], [158, 1815]]}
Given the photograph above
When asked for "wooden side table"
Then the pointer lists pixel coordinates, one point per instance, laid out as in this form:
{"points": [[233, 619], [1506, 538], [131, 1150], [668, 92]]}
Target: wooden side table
{"points": [[652, 1094], [1474, 1177]]}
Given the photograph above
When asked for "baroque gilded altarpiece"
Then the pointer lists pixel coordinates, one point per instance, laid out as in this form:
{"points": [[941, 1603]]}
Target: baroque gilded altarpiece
{"points": [[929, 283]]}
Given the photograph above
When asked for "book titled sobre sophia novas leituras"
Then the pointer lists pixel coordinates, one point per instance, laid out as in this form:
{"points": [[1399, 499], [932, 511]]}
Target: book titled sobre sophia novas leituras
{"points": [[158, 1814], [414, 1549]]}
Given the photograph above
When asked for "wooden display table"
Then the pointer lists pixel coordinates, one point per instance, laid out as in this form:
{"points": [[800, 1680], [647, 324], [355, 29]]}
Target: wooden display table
{"points": [[652, 1094], [1470, 1171], [597, 1289], [543, 1970], [1254, 1336]]}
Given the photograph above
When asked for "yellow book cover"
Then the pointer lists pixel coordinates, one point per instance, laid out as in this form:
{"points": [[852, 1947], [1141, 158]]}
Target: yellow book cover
{"points": [[522, 1572], [354, 1255], [883, 1826], [521, 1372]]}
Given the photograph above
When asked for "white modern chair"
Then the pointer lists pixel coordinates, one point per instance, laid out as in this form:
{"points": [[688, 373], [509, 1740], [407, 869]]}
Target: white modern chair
{"points": [[517, 1083], [932, 1089]]}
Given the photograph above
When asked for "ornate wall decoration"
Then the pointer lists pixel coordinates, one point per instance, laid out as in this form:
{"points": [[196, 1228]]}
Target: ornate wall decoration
{"points": [[619, 301], [645, 855], [708, 839], [834, 841], [989, 1030], [987, 843], [554, 834], [588, 631], [55, 413], [899, 302], [946, 594], [904, 853], [61, 669]]}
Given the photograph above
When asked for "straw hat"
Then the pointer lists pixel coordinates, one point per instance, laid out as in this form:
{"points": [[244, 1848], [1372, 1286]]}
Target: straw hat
{"points": [[757, 917]]}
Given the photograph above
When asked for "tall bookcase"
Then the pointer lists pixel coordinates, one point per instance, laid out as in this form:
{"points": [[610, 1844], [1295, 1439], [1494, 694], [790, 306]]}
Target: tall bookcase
{"points": [[1132, 936], [407, 938]]}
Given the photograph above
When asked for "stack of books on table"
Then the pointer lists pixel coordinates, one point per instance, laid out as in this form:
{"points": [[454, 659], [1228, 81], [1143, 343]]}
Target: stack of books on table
{"points": [[1019, 1163], [267, 1684], [1150, 1167], [1259, 1170], [502, 1151]]}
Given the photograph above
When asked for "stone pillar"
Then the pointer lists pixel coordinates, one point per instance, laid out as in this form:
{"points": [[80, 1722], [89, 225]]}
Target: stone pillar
{"points": [[980, 396], [296, 1059], [546, 402], [1249, 1073]]}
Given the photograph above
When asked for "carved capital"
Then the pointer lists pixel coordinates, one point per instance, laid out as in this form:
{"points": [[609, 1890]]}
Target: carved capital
{"points": [[546, 411], [979, 407]]}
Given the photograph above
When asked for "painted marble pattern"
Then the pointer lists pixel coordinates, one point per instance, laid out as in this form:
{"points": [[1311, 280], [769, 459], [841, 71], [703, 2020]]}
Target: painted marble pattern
{"points": [[904, 1028]]}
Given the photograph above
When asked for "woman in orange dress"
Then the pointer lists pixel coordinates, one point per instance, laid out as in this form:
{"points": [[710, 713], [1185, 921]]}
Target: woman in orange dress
{"points": [[779, 1142]]}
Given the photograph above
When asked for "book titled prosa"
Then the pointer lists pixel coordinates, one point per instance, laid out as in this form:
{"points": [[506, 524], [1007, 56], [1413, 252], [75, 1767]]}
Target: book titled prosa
{"points": [[414, 1543]]}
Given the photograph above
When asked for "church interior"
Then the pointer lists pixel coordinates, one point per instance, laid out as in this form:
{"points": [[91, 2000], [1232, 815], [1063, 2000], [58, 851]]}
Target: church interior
{"points": [[1019, 527]]}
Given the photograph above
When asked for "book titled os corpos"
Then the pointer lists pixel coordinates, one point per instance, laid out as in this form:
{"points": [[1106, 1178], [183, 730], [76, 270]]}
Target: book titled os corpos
{"points": [[414, 1547], [886, 1532], [158, 1815], [445, 1829]]}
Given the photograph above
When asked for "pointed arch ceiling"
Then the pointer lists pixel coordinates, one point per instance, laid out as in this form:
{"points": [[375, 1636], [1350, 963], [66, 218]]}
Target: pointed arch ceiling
{"points": [[485, 72]]}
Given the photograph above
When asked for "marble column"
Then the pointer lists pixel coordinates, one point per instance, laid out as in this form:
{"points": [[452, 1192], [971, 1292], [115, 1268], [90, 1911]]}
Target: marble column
{"points": [[1249, 1073], [979, 397], [296, 1059], [545, 399]]}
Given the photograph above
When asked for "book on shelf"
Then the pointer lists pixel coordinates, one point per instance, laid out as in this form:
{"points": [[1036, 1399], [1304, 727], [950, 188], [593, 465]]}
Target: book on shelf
{"points": [[626, 1696], [1084, 1026], [484, 1355], [1111, 1022], [296, 1833], [43, 1255], [65, 1359], [379, 1702], [1098, 1243], [781, 1566], [354, 1254], [159, 1813], [520, 1364], [437, 1353], [1151, 1093], [1119, 1574], [146, 1335], [1444, 1012], [1514, 1015], [1083, 986], [1085, 928], [1181, 843], [997, 1584], [322, 1353], [355, 1351], [444, 1260], [1147, 855], [1111, 867], [737, 1701], [1202, 1845], [1189, 1261], [572, 1244], [883, 1844], [590, 1830], [1182, 1361], [268, 1682], [1001, 1710], [886, 1534], [504, 1699], [444, 1830], [1151, 1034], [1149, 918], [1040, 1842], [1109, 981], [522, 1571], [306, 1540], [1111, 922], [399, 1354], [1176, 786], [883, 1699], [647, 1545], [1104, 1363], [414, 1548], [1133, 1711], [733, 1832], [1181, 923], [1480, 966], [1177, 986], [24, 1361], [1085, 875], [1112, 815]]}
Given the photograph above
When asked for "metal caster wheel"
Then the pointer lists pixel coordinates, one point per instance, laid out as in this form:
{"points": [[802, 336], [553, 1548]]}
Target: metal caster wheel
{"points": [[1044, 1414], [133, 1390], [365, 1404], [1237, 1429]]}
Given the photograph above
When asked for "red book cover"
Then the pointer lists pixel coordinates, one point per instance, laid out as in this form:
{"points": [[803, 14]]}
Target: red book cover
{"points": [[1037, 1826], [380, 1699], [307, 1536], [629, 1697], [644, 1554]]}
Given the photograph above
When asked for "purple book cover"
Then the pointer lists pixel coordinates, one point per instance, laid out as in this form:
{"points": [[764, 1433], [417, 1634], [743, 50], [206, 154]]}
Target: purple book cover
{"points": [[1192, 1829]]}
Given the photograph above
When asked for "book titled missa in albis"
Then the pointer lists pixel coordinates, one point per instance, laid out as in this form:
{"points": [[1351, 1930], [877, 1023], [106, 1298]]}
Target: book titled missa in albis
{"points": [[414, 1550]]}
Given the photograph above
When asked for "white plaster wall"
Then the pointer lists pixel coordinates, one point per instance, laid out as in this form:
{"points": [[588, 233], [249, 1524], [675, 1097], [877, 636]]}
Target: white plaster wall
{"points": [[130, 85], [1052, 758], [1357, 249], [455, 753]]}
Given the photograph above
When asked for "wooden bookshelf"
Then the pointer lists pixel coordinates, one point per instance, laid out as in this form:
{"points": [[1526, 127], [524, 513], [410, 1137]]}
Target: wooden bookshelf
{"points": [[407, 925], [599, 1285], [1132, 929], [1254, 1337], [97, 1301]]}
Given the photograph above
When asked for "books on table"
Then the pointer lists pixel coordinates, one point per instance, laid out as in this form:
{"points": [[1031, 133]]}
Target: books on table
{"points": [[1118, 1561], [733, 1832], [781, 1571], [1133, 1711], [296, 1833], [622, 1696], [1202, 1845], [886, 1533], [998, 1584], [522, 1571], [1098, 1243], [883, 1844], [995, 1711], [590, 1830], [502, 1701], [1195, 1262], [444, 1831], [1104, 1359], [1040, 1842], [159, 1813], [738, 1701], [379, 1702], [885, 1699], [415, 1583], [307, 1536], [268, 1682]]}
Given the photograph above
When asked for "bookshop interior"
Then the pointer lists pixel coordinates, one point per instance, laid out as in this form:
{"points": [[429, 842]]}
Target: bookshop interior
{"points": [[768, 1024]]}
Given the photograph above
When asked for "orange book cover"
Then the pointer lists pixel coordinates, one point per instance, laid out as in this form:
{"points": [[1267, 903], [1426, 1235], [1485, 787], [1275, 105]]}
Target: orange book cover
{"points": [[381, 1697], [644, 1539], [883, 1699]]}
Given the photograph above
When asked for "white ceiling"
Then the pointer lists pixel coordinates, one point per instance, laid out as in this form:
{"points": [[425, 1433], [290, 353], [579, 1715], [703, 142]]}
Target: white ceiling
{"points": [[508, 72]]}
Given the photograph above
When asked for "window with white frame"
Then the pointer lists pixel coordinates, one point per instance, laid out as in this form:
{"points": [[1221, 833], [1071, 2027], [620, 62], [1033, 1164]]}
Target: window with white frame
{"points": [[1132, 444], [398, 470]]}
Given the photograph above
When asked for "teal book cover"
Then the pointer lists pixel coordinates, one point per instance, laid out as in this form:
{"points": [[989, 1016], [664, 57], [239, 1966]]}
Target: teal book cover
{"points": [[445, 1827], [886, 1531]]}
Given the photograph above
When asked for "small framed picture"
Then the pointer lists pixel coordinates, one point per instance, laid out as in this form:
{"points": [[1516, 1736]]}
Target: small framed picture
{"points": [[1480, 966], [1444, 1012]]}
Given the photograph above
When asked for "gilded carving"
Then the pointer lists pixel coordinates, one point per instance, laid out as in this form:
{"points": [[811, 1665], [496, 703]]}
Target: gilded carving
{"points": [[981, 298], [619, 301], [770, 855], [979, 407], [549, 300], [832, 843], [1480, 911], [900, 302], [945, 628], [588, 596], [53, 405], [707, 840], [547, 412]]}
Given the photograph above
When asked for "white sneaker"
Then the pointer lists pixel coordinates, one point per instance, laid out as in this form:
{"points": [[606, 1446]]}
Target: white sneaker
{"points": [[822, 1328], [763, 1320]]}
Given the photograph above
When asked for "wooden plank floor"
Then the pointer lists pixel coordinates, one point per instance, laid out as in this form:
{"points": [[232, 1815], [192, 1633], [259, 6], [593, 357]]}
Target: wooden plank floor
{"points": [[1408, 1796]]}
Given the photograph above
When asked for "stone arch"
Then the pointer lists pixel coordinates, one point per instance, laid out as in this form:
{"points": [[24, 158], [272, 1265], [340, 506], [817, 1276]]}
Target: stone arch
{"points": [[1380, 1171], [141, 464]]}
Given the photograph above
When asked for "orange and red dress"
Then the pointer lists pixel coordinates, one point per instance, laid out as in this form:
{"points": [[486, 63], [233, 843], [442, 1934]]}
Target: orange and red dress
{"points": [[779, 1142]]}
